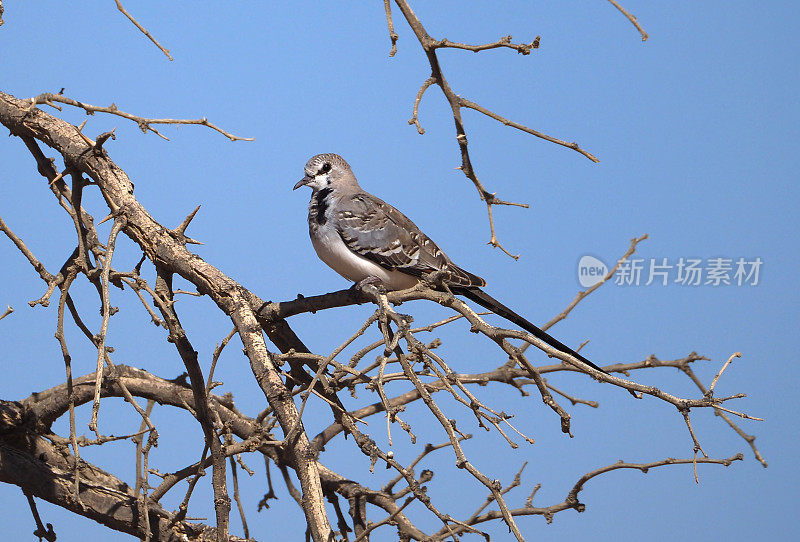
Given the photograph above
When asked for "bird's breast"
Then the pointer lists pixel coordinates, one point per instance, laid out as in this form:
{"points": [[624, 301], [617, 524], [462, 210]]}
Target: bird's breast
{"points": [[332, 250]]}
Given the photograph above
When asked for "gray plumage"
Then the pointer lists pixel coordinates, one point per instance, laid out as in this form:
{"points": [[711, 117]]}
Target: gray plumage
{"points": [[363, 238]]}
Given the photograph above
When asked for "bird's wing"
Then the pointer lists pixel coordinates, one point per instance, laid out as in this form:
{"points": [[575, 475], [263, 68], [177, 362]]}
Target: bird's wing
{"points": [[377, 231]]}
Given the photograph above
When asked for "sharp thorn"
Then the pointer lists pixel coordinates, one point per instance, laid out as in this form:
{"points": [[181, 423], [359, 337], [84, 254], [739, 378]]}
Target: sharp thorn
{"points": [[106, 219], [185, 224]]}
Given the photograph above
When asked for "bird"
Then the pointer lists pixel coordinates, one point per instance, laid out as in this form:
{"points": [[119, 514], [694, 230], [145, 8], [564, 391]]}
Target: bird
{"points": [[366, 240]]}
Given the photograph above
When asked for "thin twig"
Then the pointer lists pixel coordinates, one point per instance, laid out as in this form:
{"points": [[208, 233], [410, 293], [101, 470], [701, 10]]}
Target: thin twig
{"points": [[710, 392], [696, 444], [631, 18], [215, 358], [750, 439], [236, 497], [456, 102], [415, 110], [40, 532], [142, 484], [505, 41], [62, 341], [447, 425], [125, 392], [106, 309], [387, 5], [143, 29], [365, 535], [37, 265], [143, 122], [582, 294], [570, 145]]}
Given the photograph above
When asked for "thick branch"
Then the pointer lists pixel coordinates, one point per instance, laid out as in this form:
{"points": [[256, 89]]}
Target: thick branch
{"points": [[161, 247], [45, 471], [48, 405]]}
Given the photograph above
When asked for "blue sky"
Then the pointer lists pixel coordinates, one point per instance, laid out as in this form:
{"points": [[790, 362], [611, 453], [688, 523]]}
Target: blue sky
{"points": [[696, 130]]}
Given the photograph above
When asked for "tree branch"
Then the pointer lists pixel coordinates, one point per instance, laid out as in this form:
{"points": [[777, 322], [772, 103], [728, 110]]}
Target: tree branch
{"points": [[142, 29], [144, 123]]}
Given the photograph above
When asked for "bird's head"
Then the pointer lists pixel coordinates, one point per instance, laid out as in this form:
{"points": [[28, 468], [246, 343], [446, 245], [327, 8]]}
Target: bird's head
{"points": [[327, 171]]}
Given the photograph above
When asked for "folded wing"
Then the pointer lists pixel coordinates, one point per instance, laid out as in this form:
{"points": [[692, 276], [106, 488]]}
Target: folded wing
{"points": [[377, 231]]}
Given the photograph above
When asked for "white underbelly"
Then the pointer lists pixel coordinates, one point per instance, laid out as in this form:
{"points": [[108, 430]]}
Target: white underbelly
{"points": [[333, 251]]}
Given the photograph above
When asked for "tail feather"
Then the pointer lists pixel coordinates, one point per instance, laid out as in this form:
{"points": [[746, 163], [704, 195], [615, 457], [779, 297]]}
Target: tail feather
{"points": [[488, 302]]}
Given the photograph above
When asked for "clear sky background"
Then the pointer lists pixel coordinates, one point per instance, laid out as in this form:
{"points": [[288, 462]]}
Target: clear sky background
{"points": [[696, 130]]}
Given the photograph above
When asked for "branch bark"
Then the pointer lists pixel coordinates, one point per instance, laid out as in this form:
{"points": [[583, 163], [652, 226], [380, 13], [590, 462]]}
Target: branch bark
{"points": [[48, 472], [165, 250]]}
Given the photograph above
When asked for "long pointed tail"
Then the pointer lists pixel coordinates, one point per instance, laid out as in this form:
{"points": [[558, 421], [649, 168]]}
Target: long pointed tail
{"points": [[488, 302]]}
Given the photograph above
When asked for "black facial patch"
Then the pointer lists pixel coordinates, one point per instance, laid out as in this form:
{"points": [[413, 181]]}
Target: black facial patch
{"points": [[326, 167], [320, 204]]}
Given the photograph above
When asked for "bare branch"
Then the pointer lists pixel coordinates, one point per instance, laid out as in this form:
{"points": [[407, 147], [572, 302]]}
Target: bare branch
{"points": [[456, 102], [387, 520], [750, 439], [106, 311], [710, 392], [142, 29], [40, 532], [37, 265], [572, 502], [395, 376], [145, 124], [415, 111], [631, 18], [446, 424], [574, 146], [581, 295], [103, 497], [505, 41], [387, 4]]}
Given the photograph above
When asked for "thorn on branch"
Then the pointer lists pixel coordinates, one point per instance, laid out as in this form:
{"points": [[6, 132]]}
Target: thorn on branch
{"points": [[181, 229], [8, 311], [102, 138]]}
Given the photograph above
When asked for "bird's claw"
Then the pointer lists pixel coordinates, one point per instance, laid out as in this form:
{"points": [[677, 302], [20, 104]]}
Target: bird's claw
{"points": [[366, 281]]}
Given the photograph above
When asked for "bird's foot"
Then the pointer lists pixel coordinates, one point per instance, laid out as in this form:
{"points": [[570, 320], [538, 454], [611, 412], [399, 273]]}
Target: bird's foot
{"points": [[437, 280], [366, 281]]}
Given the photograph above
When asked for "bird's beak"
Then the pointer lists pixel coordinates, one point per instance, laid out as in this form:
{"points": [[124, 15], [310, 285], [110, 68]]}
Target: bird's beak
{"points": [[302, 182]]}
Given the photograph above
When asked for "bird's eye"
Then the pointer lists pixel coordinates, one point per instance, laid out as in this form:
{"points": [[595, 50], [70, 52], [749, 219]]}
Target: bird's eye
{"points": [[326, 167]]}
